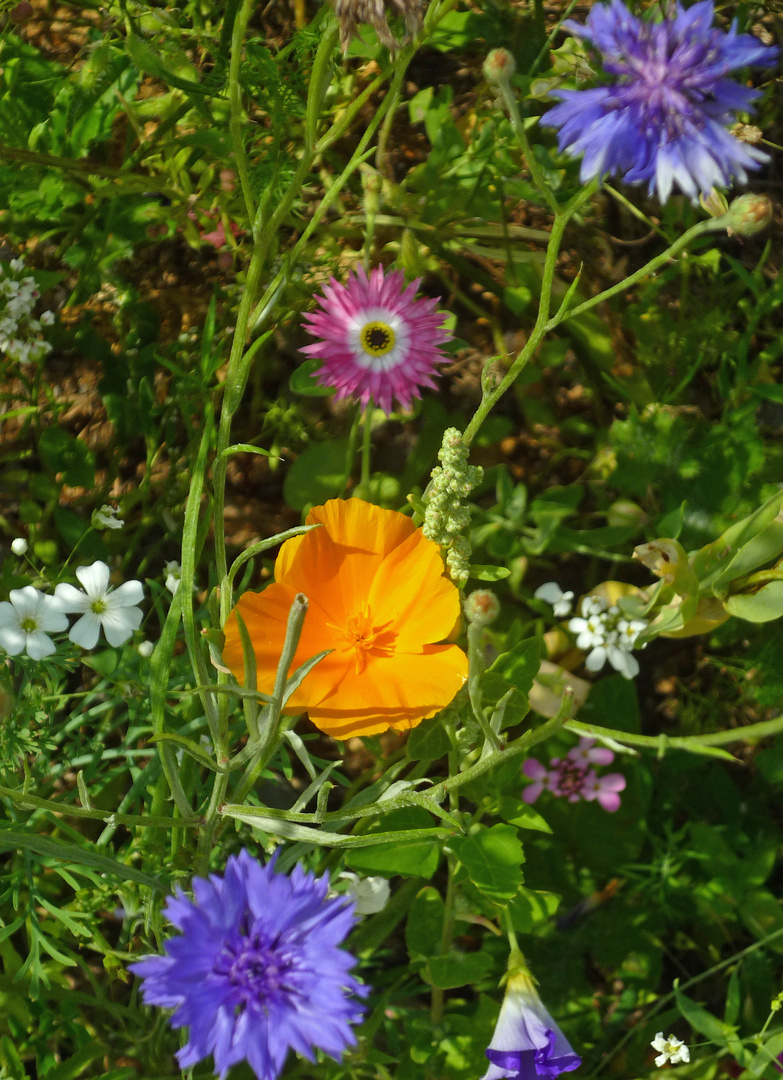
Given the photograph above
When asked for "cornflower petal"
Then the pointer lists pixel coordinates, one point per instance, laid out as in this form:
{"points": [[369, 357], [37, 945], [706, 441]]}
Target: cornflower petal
{"points": [[378, 341], [663, 121], [378, 598], [257, 970]]}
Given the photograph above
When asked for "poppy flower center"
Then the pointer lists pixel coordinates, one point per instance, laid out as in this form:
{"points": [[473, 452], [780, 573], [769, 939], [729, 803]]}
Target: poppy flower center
{"points": [[361, 634], [377, 338]]}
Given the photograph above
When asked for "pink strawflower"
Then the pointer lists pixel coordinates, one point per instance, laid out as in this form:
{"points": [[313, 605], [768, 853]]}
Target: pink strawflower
{"points": [[377, 340], [605, 789]]}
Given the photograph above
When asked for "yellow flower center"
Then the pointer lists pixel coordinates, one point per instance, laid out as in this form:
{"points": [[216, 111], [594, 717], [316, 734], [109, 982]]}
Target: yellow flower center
{"points": [[377, 338], [365, 638]]}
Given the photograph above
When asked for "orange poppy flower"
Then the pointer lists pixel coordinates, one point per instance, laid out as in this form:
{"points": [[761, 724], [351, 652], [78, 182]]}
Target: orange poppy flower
{"points": [[380, 600]]}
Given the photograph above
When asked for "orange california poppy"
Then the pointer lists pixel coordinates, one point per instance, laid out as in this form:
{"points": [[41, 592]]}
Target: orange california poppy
{"points": [[380, 600]]}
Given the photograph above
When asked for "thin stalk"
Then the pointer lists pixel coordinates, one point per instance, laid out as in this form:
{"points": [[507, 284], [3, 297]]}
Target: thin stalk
{"points": [[447, 934], [543, 322], [765, 729], [537, 173], [235, 103], [366, 444]]}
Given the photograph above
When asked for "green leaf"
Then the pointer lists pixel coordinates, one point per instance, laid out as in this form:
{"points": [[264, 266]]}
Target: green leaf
{"points": [[318, 474], [762, 606], [458, 969], [520, 665], [61, 453], [64, 852], [193, 749], [410, 856], [424, 927], [428, 742], [303, 380], [700, 1019], [518, 813], [488, 573], [531, 907], [493, 860]]}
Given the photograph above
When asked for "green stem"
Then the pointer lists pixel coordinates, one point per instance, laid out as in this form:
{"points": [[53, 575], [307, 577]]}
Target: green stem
{"points": [[543, 323], [236, 124], [366, 445], [475, 670], [447, 934], [750, 733], [537, 173]]}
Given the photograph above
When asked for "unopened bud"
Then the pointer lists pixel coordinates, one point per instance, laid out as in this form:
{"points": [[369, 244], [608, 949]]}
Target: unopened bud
{"points": [[748, 215], [482, 607], [748, 133], [19, 546], [624, 512], [499, 66], [716, 204], [228, 179]]}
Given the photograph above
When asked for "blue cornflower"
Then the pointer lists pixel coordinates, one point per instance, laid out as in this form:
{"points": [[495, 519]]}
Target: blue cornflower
{"points": [[527, 1043], [663, 119], [257, 969]]}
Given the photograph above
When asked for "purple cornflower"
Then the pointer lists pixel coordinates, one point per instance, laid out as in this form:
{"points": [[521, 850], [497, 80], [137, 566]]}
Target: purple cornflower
{"points": [[572, 777], [527, 1043], [663, 119], [257, 969], [378, 341]]}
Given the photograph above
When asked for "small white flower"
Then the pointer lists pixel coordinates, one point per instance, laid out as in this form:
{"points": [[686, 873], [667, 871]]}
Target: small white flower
{"points": [[669, 1049], [47, 318], [112, 609], [146, 648], [551, 593], [17, 265], [369, 894], [596, 658], [622, 661], [628, 631], [26, 621], [19, 546], [106, 518], [590, 631], [593, 605], [173, 574]]}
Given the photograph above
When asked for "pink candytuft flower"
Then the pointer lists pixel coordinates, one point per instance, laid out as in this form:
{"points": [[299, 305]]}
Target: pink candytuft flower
{"points": [[378, 341], [574, 778]]}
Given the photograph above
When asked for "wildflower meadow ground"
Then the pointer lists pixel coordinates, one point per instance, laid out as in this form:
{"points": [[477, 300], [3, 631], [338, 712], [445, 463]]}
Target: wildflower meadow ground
{"points": [[391, 540]]}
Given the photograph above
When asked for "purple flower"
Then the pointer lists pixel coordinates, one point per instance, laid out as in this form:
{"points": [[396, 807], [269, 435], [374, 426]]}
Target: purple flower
{"points": [[587, 753], [378, 341], [544, 780], [663, 119], [257, 970], [605, 789], [527, 1043]]}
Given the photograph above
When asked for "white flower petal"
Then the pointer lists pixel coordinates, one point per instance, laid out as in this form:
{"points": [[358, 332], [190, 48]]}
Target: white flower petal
{"points": [[69, 598], [39, 645], [12, 639], [126, 595], [94, 578], [119, 625], [85, 631]]}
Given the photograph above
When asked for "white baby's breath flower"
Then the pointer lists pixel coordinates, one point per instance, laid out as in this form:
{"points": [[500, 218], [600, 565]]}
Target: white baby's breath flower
{"points": [[173, 574], [369, 894], [112, 609], [551, 593], [670, 1050], [19, 545], [26, 621], [106, 518], [146, 648]]}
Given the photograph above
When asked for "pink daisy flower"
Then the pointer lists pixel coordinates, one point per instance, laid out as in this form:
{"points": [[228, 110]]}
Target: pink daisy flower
{"points": [[378, 341]]}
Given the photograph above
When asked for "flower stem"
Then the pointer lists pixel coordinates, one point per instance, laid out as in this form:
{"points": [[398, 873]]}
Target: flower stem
{"points": [[366, 445]]}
